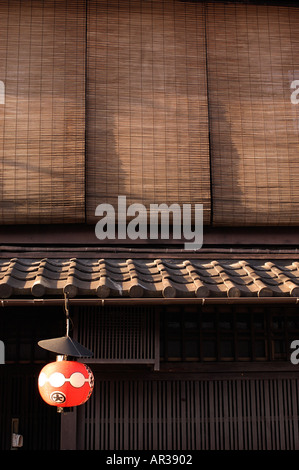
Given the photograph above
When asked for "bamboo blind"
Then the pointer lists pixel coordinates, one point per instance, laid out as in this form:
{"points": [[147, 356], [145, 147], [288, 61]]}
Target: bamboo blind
{"points": [[252, 54], [147, 123], [42, 123]]}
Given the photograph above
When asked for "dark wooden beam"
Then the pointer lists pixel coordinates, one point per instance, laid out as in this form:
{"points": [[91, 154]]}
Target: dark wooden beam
{"points": [[84, 235]]}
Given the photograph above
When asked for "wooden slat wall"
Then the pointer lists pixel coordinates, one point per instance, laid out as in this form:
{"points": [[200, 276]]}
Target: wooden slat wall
{"points": [[42, 123], [147, 124], [252, 54], [186, 414]]}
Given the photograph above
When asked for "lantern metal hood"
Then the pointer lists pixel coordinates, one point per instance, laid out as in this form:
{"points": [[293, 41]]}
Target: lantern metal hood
{"points": [[65, 345]]}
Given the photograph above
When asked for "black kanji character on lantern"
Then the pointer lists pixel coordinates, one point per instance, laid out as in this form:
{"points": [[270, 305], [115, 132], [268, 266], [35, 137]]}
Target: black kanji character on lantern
{"points": [[58, 397]]}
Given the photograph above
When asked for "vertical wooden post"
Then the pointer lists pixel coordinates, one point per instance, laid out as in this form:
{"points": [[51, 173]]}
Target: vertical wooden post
{"points": [[157, 340], [68, 439]]}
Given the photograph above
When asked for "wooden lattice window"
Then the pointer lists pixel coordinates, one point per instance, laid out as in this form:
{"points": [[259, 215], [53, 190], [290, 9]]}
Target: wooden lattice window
{"points": [[21, 329], [119, 335], [226, 333]]}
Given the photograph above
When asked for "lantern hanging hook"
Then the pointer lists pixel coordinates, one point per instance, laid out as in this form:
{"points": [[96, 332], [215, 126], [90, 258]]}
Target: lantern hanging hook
{"points": [[65, 345], [67, 314]]}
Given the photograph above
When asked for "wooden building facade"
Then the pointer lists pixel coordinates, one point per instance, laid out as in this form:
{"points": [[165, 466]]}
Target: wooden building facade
{"points": [[164, 102]]}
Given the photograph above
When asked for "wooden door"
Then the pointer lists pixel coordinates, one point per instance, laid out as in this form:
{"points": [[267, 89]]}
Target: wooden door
{"points": [[38, 423]]}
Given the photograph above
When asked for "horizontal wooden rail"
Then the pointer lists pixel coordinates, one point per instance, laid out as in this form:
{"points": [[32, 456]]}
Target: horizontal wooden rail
{"points": [[150, 301]]}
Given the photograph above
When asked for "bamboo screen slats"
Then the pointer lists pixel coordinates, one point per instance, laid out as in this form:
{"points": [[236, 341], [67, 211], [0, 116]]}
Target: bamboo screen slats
{"points": [[252, 55], [160, 75], [147, 123], [42, 123]]}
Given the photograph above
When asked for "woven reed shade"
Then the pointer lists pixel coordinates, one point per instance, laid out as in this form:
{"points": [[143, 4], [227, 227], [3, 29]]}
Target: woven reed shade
{"points": [[147, 123], [252, 54], [42, 123]]}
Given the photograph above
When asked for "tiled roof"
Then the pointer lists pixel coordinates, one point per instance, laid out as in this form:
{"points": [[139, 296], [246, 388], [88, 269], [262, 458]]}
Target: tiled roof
{"points": [[135, 278]]}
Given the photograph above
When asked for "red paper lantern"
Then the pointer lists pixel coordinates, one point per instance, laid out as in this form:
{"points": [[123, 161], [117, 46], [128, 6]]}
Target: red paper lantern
{"points": [[65, 383]]}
